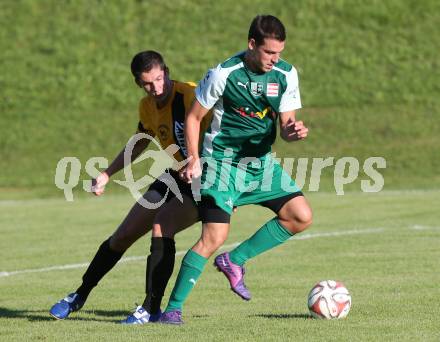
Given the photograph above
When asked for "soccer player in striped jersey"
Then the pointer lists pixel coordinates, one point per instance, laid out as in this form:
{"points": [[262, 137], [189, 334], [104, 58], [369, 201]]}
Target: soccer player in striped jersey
{"points": [[248, 94], [161, 115]]}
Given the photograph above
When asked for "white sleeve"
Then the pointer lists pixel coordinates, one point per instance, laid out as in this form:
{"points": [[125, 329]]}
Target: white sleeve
{"points": [[291, 99], [211, 88]]}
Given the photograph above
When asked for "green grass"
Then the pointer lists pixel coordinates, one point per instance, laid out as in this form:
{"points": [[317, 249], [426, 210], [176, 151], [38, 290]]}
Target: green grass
{"points": [[387, 255], [367, 74]]}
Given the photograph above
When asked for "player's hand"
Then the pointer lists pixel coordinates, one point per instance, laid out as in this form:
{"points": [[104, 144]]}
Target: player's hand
{"points": [[191, 170], [98, 184], [296, 130]]}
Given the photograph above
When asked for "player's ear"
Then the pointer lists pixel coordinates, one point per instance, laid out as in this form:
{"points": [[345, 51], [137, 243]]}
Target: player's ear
{"points": [[252, 44]]}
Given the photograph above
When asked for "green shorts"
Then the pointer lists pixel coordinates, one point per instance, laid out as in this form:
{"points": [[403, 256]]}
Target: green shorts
{"points": [[250, 181]]}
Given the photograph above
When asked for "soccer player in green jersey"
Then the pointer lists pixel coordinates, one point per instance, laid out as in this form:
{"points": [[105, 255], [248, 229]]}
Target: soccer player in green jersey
{"points": [[248, 94]]}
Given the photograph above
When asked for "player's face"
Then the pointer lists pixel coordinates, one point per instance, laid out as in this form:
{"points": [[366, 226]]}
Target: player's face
{"points": [[154, 82], [267, 54]]}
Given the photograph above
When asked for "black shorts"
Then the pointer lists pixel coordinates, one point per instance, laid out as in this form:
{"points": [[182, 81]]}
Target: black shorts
{"points": [[162, 188]]}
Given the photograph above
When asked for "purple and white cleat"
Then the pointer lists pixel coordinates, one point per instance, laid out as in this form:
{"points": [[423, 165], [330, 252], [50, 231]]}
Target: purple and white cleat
{"points": [[234, 273], [171, 317]]}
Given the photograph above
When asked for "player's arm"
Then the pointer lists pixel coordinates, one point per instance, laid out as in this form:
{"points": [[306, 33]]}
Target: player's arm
{"points": [[98, 184], [193, 121], [290, 129], [208, 91], [118, 163]]}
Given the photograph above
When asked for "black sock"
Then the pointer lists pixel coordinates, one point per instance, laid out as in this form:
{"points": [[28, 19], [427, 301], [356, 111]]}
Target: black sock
{"points": [[160, 265], [104, 260]]}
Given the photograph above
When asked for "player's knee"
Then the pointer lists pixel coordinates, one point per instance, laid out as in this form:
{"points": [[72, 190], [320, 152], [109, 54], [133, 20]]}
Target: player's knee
{"points": [[299, 221], [304, 219], [118, 244], [212, 243], [215, 243], [122, 239], [207, 247]]}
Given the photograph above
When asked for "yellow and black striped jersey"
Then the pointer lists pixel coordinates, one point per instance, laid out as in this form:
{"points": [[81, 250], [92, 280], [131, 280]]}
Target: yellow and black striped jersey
{"points": [[166, 124]]}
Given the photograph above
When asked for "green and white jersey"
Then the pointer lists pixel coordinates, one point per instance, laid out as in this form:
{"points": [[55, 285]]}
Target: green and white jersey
{"points": [[246, 106]]}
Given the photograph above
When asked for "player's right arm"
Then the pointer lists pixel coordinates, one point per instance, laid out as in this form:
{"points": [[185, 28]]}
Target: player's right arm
{"points": [[98, 184], [208, 92], [193, 121]]}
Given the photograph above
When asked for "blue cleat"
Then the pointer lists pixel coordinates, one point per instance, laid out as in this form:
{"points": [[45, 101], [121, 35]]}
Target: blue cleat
{"points": [[141, 316], [64, 307], [171, 317]]}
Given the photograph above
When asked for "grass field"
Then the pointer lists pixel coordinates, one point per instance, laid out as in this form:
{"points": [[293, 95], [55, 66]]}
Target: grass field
{"points": [[383, 246], [369, 88]]}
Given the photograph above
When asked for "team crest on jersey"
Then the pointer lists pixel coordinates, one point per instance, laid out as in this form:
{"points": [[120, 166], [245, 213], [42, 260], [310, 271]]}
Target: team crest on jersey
{"points": [[272, 90], [164, 132], [256, 88]]}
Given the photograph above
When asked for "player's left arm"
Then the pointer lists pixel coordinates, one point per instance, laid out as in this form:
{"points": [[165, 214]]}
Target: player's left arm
{"points": [[290, 128]]}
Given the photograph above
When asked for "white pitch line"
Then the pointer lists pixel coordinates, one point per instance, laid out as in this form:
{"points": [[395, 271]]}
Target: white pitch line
{"points": [[420, 227], [341, 233], [83, 265], [60, 199], [179, 253]]}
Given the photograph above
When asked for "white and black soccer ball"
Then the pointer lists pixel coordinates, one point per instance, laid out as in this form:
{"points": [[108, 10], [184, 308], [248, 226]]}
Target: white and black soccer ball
{"points": [[329, 299]]}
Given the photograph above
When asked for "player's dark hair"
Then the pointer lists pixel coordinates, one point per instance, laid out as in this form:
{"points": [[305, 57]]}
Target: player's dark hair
{"points": [[266, 26], [145, 61]]}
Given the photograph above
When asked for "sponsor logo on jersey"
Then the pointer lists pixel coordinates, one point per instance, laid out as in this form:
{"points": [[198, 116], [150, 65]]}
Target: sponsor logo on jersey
{"points": [[245, 111], [256, 88], [272, 89]]}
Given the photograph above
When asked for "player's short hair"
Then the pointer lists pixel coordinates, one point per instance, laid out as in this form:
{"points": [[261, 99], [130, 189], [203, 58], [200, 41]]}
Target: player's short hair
{"points": [[144, 61], [266, 26]]}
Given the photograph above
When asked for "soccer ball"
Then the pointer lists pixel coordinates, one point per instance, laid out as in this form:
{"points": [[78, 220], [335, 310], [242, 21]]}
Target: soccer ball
{"points": [[329, 299]]}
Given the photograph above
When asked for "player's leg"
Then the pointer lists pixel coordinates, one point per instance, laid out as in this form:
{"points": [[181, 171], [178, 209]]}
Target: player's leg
{"points": [[137, 223], [293, 217], [296, 215], [215, 230], [174, 217]]}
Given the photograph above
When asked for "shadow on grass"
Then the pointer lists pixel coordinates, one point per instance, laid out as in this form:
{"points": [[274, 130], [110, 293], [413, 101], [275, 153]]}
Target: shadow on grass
{"points": [[121, 314], [30, 315], [200, 316], [43, 315], [283, 316]]}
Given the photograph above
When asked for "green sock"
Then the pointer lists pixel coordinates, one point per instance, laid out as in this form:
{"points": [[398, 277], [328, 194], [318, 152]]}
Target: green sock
{"points": [[190, 271], [267, 237]]}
